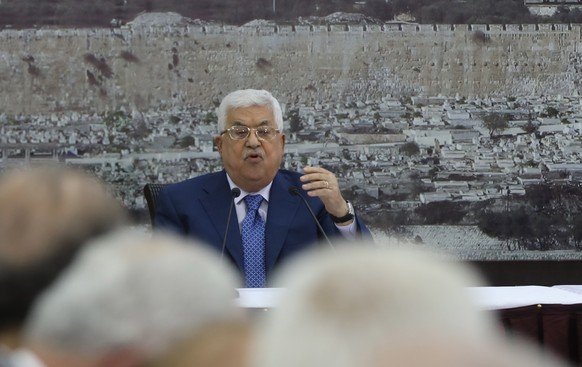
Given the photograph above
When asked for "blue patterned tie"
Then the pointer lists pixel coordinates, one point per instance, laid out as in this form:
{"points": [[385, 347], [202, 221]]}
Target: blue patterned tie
{"points": [[253, 239]]}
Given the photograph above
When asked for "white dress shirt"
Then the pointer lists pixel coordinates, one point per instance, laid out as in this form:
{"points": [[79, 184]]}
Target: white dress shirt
{"points": [[348, 231]]}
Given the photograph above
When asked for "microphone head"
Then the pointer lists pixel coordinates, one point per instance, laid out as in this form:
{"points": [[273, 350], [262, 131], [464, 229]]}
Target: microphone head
{"points": [[293, 190], [235, 192]]}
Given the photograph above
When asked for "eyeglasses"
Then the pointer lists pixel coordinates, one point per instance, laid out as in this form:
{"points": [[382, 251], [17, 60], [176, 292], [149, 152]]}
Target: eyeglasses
{"points": [[239, 132]]}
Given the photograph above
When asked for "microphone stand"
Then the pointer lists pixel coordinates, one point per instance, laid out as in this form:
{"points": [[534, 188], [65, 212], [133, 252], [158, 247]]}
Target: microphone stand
{"points": [[234, 193], [295, 192]]}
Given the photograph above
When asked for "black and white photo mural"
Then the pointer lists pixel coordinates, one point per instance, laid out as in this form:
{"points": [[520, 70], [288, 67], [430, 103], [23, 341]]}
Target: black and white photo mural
{"points": [[461, 136]]}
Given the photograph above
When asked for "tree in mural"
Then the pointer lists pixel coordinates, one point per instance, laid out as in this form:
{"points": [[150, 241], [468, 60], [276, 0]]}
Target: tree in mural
{"points": [[549, 216], [410, 148], [495, 123]]}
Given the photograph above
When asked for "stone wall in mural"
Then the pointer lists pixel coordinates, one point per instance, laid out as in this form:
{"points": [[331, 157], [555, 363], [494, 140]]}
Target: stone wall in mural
{"points": [[462, 137]]}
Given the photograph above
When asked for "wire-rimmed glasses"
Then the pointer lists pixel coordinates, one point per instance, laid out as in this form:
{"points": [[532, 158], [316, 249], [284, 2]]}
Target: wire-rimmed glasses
{"points": [[240, 132]]}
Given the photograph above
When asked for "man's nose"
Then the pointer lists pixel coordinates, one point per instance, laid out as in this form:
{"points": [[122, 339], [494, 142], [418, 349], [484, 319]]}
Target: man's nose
{"points": [[252, 140]]}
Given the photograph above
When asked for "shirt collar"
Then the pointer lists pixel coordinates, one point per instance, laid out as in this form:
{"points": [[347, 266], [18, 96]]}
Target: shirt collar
{"points": [[264, 192]]}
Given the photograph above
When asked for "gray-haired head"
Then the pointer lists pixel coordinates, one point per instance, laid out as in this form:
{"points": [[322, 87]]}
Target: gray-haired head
{"points": [[248, 98], [130, 290], [345, 308]]}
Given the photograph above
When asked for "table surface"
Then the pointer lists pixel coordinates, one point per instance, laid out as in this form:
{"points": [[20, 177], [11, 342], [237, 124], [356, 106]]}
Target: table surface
{"points": [[494, 298], [487, 298]]}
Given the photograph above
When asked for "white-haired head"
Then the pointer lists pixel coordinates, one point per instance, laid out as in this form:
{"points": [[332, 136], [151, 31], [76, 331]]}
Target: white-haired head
{"points": [[343, 309], [134, 291], [248, 98]]}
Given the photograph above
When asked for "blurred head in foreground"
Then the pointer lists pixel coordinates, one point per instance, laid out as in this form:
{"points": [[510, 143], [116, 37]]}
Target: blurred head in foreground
{"points": [[46, 214], [128, 298], [364, 306]]}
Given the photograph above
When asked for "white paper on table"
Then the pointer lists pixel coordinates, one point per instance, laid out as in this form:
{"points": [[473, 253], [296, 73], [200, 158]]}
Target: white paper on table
{"points": [[259, 297], [494, 298], [570, 288]]}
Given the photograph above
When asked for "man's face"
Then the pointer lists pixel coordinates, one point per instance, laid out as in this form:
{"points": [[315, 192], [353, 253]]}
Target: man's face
{"points": [[252, 162]]}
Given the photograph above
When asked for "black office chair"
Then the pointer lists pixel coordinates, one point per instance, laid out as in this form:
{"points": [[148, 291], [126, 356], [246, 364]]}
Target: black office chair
{"points": [[151, 192]]}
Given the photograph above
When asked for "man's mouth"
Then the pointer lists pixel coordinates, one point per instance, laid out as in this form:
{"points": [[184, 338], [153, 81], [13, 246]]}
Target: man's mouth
{"points": [[253, 156]]}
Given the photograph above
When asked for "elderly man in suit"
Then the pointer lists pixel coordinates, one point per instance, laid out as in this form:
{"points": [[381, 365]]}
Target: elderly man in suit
{"points": [[271, 222]]}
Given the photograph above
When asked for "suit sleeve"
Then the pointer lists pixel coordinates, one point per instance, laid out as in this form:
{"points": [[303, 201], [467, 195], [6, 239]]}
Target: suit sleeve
{"points": [[361, 229]]}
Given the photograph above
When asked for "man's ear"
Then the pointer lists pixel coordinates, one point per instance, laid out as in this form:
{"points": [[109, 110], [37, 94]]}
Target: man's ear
{"points": [[218, 143]]}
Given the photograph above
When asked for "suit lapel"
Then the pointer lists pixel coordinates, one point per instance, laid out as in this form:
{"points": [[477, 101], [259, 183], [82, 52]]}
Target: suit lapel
{"points": [[282, 208], [217, 204]]}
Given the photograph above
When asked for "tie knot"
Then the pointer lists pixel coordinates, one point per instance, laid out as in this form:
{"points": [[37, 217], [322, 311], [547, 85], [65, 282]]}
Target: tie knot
{"points": [[253, 202]]}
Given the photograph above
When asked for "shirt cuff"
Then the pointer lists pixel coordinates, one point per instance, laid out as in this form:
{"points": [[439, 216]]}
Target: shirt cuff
{"points": [[348, 231]]}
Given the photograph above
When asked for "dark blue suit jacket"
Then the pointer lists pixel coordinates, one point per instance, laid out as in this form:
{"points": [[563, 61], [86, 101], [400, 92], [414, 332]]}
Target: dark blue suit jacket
{"points": [[199, 207]]}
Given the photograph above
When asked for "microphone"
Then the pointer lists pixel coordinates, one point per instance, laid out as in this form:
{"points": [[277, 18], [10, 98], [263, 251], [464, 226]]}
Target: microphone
{"points": [[295, 192], [234, 193]]}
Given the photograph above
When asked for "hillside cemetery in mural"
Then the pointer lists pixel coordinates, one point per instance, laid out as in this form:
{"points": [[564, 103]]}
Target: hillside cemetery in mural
{"points": [[463, 138]]}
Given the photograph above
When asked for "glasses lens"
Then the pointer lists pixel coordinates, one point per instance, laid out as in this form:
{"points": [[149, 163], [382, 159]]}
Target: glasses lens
{"points": [[238, 132], [266, 132]]}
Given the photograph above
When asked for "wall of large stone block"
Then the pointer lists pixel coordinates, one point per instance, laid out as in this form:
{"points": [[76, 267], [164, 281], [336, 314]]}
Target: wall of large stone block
{"points": [[45, 71]]}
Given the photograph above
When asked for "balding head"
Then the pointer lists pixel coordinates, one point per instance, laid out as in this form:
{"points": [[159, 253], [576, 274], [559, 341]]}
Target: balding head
{"points": [[45, 208], [46, 213]]}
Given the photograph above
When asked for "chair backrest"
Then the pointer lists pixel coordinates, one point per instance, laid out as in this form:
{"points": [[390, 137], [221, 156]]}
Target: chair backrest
{"points": [[151, 192]]}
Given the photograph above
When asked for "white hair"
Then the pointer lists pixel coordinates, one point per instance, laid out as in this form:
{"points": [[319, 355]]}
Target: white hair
{"points": [[137, 291], [360, 305], [248, 98]]}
